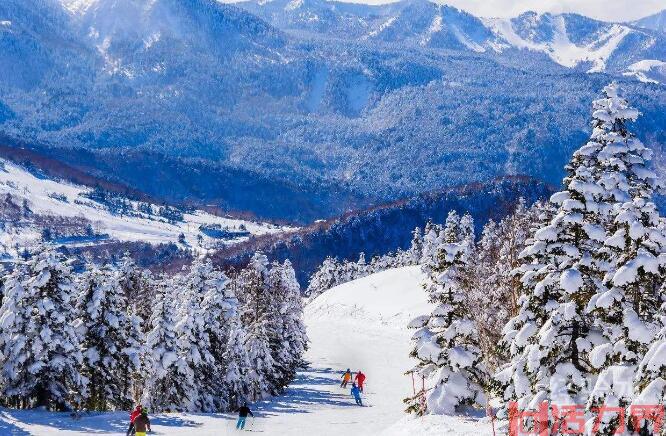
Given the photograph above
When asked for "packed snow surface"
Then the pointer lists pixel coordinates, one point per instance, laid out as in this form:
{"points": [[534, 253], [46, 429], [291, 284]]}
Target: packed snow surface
{"points": [[360, 325]]}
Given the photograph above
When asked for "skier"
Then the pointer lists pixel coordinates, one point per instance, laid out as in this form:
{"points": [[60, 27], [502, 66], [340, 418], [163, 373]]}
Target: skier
{"points": [[356, 393], [142, 423], [346, 377], [360, 379], [242, 416], [133, 415]]}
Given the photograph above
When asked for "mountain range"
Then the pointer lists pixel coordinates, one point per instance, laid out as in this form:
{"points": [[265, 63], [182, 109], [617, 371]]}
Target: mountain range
{"points": [[300, 110]]}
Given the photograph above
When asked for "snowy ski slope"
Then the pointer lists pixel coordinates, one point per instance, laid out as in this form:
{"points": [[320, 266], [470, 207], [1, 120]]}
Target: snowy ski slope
{"points": [[360, 325]]}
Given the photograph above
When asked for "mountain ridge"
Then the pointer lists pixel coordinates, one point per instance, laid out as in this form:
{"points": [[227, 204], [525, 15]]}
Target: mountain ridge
{"points": [[249, 114]]}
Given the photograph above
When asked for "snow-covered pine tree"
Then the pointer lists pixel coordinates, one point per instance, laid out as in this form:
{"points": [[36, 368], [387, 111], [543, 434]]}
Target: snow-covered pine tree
{"points": [[294, 336], [452, 230], [260, 375], [431, 242], [169, 379], [323, 279], [39, 348], [254, 294], [109, 353], [193, 341], [361, 267], [349, 271], [650, 382], [633, 256], [275, 317], [135, 349], [138, 287], [237, 366], [446, 340], [219, 306], [251, 289], [416, 247], [549, 340]]}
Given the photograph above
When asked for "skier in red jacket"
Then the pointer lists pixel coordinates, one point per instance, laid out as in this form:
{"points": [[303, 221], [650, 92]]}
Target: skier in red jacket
{"points": [[360, 379], [133, 415]]}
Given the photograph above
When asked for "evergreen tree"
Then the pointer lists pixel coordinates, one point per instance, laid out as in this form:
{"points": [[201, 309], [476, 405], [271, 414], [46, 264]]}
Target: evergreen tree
{"points": [[323, 279], [257, 317], [219, 307], [293, 334], [193, 342], [361, 267], [39, 348], [416, 247], [237, 366], [633, 257], [550, 339], [137, 287], [108, 351], [169, 379], [650, 382], [431, 243], [137, 284], [260, 374], [446, 340]]}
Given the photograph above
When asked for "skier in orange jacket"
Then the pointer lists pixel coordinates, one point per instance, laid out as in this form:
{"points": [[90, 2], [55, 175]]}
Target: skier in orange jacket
{"points": [[346, 378]]}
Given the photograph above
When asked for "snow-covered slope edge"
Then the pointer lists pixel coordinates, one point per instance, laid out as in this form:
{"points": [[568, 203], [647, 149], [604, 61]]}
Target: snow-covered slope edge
{"points": [[389, 299], [34, 208], [363, 325]]}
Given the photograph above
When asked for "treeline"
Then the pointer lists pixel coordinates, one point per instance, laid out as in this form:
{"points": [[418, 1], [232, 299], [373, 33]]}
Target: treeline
{"points": [[109, 337], [560, 305], [333, 272], [383, 229]]}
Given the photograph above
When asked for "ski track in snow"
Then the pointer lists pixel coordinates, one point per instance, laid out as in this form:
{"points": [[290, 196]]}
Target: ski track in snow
{"points": [[357, 325]]}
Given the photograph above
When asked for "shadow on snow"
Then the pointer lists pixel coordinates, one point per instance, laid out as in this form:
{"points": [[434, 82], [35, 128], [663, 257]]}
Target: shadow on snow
{"points": [[89, 423], [300, 394]]}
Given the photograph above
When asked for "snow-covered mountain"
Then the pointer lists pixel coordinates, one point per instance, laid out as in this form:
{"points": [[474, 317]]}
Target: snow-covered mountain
{"points": [[649, 71], [655, 22], [570, 40], [575, 41], [302, 110], [36, 209]]}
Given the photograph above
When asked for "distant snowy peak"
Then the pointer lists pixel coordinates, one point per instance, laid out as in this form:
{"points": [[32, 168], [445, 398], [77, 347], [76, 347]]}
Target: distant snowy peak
{"points": [[648, 71], [655, 22], [77, 7], [569, 40], [181, 19], [341, 20], [433, 25]]}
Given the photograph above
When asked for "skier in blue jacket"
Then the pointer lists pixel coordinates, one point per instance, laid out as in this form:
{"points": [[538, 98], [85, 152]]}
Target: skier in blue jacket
{"points": [[356, 392]]}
